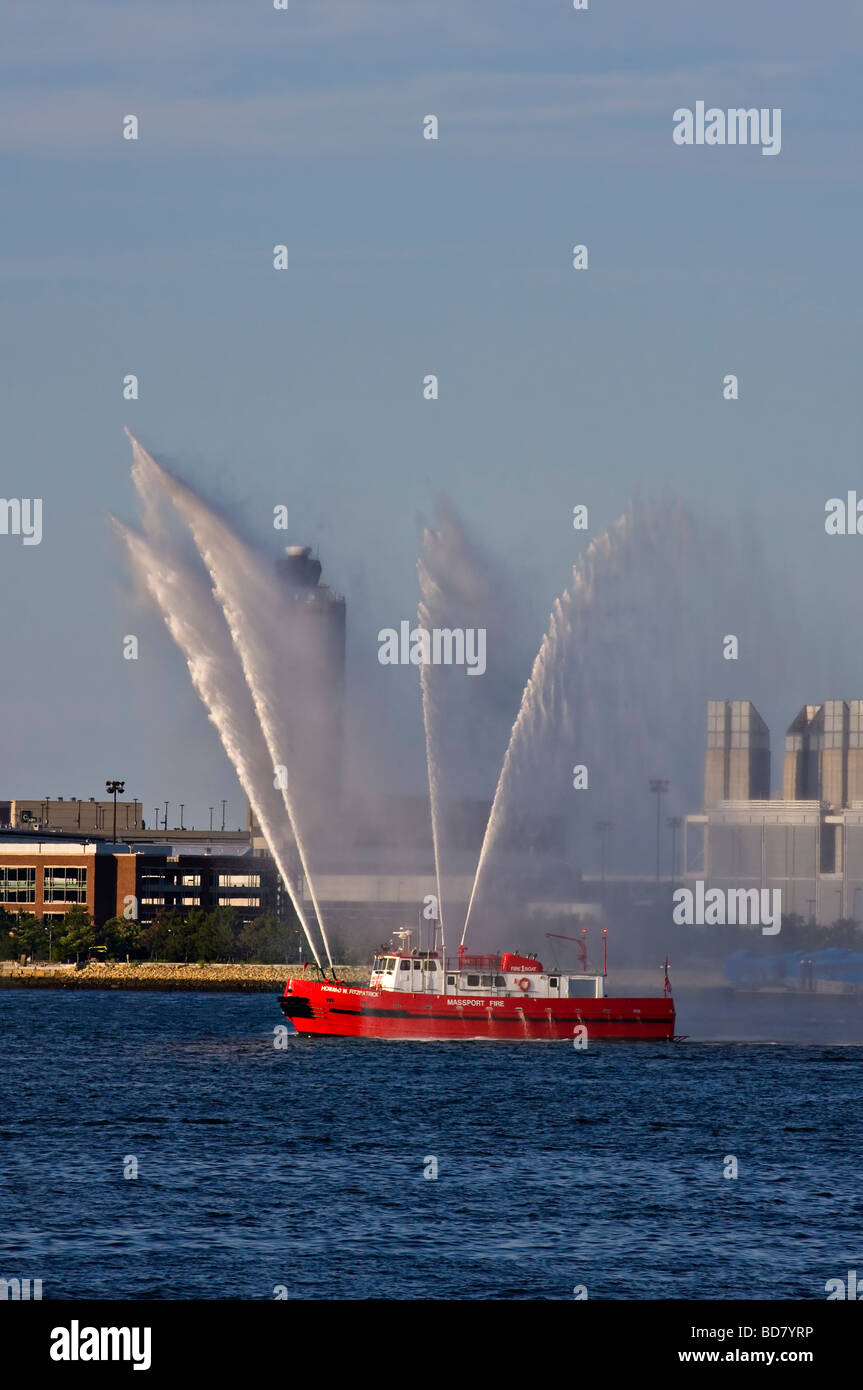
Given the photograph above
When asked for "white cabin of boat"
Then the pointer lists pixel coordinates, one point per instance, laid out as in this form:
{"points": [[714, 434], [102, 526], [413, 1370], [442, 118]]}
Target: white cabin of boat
{"points": [[503, 974]]}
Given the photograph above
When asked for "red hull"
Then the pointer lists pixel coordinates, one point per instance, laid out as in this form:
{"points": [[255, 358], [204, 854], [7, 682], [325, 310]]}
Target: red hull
{"points": [[352, 1011]]}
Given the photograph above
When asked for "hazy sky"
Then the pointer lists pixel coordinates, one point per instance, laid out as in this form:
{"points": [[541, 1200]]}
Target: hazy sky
{"points": [[410, 257]]}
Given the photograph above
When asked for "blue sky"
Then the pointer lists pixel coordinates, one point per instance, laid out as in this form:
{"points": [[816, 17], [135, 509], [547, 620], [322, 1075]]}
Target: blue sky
{"points": [[407, 257]]}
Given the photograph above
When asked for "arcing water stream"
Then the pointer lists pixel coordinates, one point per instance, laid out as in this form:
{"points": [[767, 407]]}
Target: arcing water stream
{"points": [[198, 629], [617, 685], [606, 687], [260, 627]]}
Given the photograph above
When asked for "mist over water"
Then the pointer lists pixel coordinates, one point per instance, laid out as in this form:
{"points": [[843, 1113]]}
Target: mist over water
{"points": [[466, 718], [631, 654]]}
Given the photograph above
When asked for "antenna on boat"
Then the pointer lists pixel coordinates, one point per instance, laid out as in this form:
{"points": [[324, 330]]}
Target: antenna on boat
{"points": [[580, 942], [605, 950]]}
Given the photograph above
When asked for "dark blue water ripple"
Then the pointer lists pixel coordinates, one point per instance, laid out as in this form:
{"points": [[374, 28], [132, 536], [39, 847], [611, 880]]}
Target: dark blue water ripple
{"points": [[303, 1167]]}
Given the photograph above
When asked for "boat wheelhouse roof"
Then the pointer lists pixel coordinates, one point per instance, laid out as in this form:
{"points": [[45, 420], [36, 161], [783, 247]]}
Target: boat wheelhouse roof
{"points": [[407, 955], [502, 962]]}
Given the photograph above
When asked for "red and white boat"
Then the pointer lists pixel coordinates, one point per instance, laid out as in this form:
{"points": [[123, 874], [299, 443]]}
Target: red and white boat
{"points": [[503, 996]]}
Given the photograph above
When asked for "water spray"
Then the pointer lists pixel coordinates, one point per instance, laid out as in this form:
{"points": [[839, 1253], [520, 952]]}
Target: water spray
{"points": [[236, 579], [199, 631]]}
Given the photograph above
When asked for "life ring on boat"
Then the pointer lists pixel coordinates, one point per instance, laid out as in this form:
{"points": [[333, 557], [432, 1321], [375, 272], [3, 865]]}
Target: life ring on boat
{"points": [[523, 983]]}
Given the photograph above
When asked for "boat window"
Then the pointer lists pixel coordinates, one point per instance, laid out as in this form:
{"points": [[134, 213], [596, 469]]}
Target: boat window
{"points": [[450, 979], [486, 981], [431, 965], [553, 981], [406, 965], [581, 988], [499, 982], [391, 964], [418, 965], [473, 980]]}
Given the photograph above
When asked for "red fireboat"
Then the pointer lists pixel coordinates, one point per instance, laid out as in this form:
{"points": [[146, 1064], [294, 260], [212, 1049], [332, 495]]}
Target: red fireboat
{"points": [[421, 994]]}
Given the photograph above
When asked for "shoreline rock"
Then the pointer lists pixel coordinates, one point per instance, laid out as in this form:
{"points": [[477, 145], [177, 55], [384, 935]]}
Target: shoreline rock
{"points": [[239, 977]]}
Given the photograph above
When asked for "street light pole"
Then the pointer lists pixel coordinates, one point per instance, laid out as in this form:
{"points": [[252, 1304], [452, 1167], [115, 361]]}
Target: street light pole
{"points": [[603, 827], [674, 823], [658, 785], [113, 788]]}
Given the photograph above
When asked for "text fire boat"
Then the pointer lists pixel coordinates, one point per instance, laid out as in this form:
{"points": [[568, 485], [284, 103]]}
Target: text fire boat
{"points": [[504, 996]]}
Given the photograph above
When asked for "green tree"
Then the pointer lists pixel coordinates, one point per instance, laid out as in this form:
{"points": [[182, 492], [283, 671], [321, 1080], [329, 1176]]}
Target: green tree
{"points": [[268, 940], [8, 949], [31, 937], [843, 932], [77, 933], [168, 937], [215, 935], [123, 937]]}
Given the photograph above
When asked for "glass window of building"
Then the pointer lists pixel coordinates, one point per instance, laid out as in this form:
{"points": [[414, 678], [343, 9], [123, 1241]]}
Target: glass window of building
{"points": [[17, 884], [65, 884]]}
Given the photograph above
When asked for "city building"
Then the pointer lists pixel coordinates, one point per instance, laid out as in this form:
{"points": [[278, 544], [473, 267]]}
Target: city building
{"points": [[806, 842], [70, 814], [824, 754], [737, 762], [164, 880], [47, 876]]}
